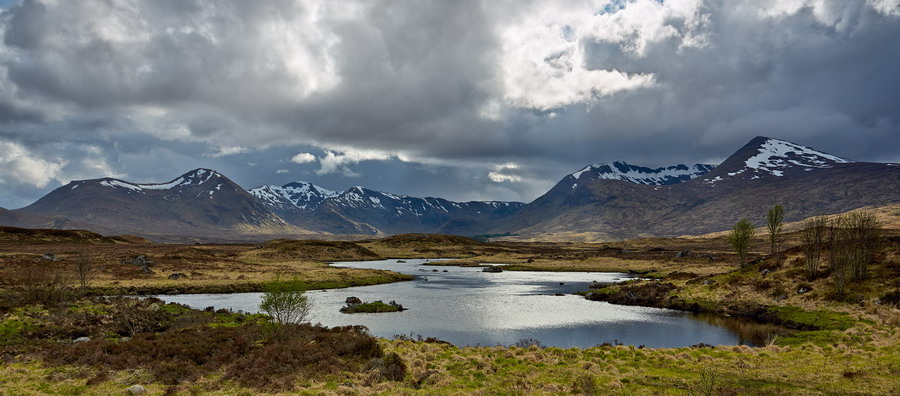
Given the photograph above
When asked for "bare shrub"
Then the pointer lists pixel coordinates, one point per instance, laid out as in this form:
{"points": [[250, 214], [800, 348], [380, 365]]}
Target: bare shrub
{"points": [[813, 237], [44, 284], [84, 272]]}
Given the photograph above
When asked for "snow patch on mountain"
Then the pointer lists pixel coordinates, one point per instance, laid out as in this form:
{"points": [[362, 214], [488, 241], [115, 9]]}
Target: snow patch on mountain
{"points": [[776, 155], [619, 170], [195, 177]]}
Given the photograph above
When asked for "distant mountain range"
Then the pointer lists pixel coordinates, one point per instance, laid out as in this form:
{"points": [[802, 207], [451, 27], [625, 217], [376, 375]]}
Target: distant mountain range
{"points": [[601, 201]]}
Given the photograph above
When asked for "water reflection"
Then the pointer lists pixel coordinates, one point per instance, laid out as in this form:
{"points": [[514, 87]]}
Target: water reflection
{"points": [[468, 307]]}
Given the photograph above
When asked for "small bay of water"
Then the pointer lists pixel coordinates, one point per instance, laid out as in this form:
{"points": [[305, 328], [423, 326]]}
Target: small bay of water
{"points": [[465, 306]]}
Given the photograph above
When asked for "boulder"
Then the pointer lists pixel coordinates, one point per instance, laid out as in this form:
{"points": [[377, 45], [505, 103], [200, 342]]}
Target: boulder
{"points": [[81, 339], [136, 390], [353, 301]]}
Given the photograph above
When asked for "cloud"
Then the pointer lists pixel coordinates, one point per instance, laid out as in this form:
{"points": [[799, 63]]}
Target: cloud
{"points": [[19, 166], [303, 158], [395, 91], [282, 171], [334, 162], [505, 173]]}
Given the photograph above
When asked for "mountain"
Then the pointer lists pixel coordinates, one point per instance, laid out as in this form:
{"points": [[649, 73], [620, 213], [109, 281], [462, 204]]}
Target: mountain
{"points": [[762, 173], [201, 202], [612, 200], [360, 210]]}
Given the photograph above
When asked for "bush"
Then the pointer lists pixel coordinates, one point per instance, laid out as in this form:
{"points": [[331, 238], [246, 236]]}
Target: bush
{"points": [[285, 302]]}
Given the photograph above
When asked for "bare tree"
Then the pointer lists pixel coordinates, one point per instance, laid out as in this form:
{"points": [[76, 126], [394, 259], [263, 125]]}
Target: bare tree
{"points": [[775, 223], [813, 236], [84, 271], [839, 254], [740, 238], [864, 233]]}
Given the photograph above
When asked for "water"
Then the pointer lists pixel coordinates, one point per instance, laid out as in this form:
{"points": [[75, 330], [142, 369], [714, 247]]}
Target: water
{"points": [[465, 306]]}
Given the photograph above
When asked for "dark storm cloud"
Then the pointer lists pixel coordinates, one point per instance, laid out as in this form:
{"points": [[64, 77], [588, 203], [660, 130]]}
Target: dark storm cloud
{"points": [[464, 99]]}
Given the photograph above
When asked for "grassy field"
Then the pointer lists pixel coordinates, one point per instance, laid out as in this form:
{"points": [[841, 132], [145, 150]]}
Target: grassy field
{"points": [[846, 344]]}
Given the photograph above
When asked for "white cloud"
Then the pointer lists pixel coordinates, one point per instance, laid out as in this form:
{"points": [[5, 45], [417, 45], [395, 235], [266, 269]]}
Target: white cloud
{"points": [[282, 171], [505, 173], [886, 7], [339, 162], [229, 150], [303, 158], [20, 166]]}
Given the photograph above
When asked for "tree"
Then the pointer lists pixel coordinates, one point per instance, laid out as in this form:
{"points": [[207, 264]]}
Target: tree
{"points": [[863, 231], [740, 238], [285, 302], [775, 220], [84, 270], [813, 237]]}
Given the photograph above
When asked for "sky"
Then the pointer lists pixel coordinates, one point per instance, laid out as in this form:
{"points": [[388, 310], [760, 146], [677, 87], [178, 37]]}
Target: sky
{"points": [[466, 100]]}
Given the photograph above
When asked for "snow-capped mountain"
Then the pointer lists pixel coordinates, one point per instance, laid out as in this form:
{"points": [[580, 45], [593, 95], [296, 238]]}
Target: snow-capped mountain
{"points": [[299, 194], [619, 170], [769, 157], [762, 173], [199, 202], [360, 210], [188, 181]]}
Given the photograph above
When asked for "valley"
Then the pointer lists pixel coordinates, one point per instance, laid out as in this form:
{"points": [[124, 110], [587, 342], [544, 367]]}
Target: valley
{"points": [[843, 345]]}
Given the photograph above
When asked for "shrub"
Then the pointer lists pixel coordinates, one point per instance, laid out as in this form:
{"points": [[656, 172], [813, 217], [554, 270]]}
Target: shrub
{"points": [[285, 302], [740, 237]]}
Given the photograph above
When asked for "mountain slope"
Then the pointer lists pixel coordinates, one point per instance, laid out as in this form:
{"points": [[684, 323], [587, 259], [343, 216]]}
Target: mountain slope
{"points": [[763, 173], [200, 202]]}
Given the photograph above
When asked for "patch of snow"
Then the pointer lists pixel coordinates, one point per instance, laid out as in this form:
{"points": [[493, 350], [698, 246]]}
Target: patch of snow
{"points": [[119, 183], [776, 155], [641, 175]]}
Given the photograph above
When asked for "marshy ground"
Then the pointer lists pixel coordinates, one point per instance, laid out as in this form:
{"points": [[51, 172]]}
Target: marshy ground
{"points": [[839, 344]]}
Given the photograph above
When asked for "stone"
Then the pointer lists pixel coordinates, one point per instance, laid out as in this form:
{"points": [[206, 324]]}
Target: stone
{"points": [[177, 275], [683, 253], [353, 300], [49, 257], [153, 307], [492, 269], [136, 390], [81, 339]]}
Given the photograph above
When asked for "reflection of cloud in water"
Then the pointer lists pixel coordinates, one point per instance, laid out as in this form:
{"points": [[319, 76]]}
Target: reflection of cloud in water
{"points": [[466, 306]]}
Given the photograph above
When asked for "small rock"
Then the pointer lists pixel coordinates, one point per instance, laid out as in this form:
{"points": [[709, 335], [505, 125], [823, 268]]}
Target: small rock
{"points": [[434, 270], [177, 275], [764, 272], [780, 297], [558, 294], [401, 261], [153, 307], [802, 290], [446, 271], [81, 339], [49, 257], [136, 390], [561, 283], [683, 253], [353, 300]]}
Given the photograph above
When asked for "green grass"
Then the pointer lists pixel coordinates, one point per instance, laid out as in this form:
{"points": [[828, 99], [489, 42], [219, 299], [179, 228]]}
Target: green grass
{"points": [[814, 320]]}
